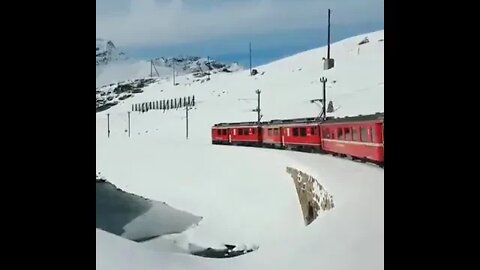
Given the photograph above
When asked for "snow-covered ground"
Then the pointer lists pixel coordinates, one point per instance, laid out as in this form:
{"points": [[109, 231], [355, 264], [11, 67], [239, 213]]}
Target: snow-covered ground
{"points": [[245, 195], [124, 70]]}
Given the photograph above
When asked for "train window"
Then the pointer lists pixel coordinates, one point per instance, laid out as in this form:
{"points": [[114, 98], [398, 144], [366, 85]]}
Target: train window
{"points": [[224, 132], [355, 134], [348, 134], [245, 131], [219, 132], [276, 132], [340, 133], [303, 132], [363, 134], [374, 135], [326, 133], [295, 132], [269, 132], [253, 131], [240, 131]]}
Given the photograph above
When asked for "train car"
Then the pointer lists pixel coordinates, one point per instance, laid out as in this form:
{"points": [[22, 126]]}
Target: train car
{"points": [[271, 136], [295, 134], [358, 137], [220, 134], [246, 133]]}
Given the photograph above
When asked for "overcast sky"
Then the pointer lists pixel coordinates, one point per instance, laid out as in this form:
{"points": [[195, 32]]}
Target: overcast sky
{"points": [[147, 28]]}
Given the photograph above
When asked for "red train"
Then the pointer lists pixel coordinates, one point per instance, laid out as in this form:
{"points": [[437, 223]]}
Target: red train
{"points": [[358, 137]]}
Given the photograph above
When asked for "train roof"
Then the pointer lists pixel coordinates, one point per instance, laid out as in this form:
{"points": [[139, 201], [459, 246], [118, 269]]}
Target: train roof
{"points": [[358, 118], [307, 120], [250, 124]]}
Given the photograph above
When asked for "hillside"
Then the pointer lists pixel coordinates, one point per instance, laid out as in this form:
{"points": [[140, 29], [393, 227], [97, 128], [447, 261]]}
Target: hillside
{"points": [[245, 195]]}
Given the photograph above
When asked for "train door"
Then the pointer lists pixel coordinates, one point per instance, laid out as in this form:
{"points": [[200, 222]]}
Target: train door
{"points": [[318, 133], [259, 134], [383, 138], [282, 133], [230, 135]]}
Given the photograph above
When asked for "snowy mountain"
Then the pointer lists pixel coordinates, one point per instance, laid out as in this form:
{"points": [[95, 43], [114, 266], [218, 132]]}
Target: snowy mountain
{"points": [[197, 66], [130, 69], [113, 66], [245, 195], [106, 52]]}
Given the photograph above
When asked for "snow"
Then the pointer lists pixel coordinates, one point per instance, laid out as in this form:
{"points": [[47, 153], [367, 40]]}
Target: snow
{"points": [[158, 220], [124, 70], [244, 194], [137, 218]]}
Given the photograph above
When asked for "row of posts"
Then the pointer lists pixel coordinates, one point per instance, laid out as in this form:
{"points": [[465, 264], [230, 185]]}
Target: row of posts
{"points": [[164, 104], [159, 105]]}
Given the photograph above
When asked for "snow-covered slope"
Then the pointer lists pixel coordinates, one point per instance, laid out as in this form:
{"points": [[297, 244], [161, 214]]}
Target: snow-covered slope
{"points": [[245, 195]]}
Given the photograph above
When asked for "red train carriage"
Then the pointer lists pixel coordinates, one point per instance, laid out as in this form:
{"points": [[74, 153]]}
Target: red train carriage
{"points": [[299, 134], [247, 133], [359, 137], [220, 134], [271, 136]]}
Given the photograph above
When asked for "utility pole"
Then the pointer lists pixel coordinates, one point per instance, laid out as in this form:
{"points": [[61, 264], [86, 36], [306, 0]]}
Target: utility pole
{"points": [[329, 62], [323, 114], [129, 124], [323, 80], [250, 51], [328, 39], [152, 67], [186, 109], [258, 109], [173, 71], [108, 124], [208, 66]]}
